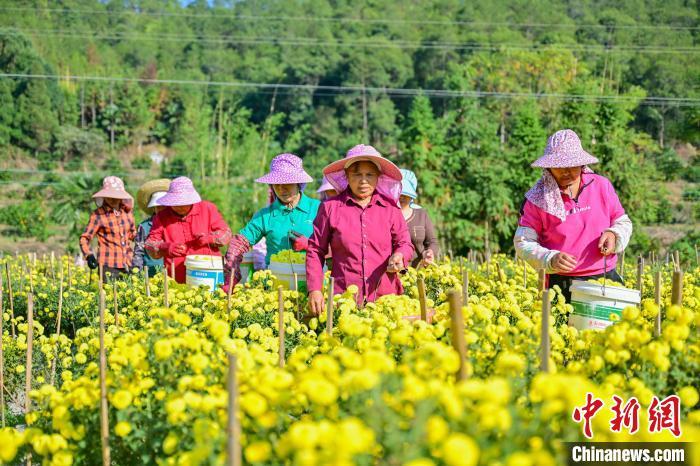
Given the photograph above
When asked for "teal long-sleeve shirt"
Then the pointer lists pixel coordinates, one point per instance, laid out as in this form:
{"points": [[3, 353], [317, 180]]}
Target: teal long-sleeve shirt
{"points": [[275, 221]]}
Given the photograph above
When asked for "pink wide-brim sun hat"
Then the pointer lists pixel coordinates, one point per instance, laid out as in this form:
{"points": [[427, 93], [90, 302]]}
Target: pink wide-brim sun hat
{"points": [[181, 192], [286, 169], [112, 187], [390, 176], [325, 186], [360, 153], [564, 150]]}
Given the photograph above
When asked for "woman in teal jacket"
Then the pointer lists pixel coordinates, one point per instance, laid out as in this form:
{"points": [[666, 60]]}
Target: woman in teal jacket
{"points": [[287, 223]]}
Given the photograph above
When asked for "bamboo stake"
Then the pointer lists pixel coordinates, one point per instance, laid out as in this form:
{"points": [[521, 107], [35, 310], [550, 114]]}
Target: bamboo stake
{"points": [[100, 278], [640, 274], [147, 282], [58, 325], [30, 345], [677, 289], [421, 298], [2, 357], [677, 255], [166, 301], [11, 298], [172, 270], [280, 330], [465, 287], [329, 306], [499, 272], [622, 265], [542, 280], [53, 273], [233, 427], [545, 347], [116, 304], [524, 274], [657, 300], [458, 333], [104, 413]]}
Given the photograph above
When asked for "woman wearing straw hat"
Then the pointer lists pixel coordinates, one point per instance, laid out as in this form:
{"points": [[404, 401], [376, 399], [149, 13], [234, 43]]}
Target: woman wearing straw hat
{"points": [[113, 224], [286, 223], [419, 225], [146, 198], [364, 227], [572, 223], [187, 226]]}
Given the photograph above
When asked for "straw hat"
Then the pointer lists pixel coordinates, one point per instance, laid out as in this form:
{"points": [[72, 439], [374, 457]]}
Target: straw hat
{"points": [[144, 196]]}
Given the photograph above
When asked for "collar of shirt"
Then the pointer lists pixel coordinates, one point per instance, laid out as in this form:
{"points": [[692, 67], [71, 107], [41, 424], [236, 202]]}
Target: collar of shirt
{"points": [[347, 198], [584, 185], [304, 205]]}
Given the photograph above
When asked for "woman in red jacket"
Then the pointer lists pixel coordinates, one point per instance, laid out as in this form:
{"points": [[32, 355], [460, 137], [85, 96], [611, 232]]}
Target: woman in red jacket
{"points": [[186, 227]]}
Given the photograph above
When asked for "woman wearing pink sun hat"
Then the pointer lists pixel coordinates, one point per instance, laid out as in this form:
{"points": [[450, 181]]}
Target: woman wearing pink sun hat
{"points": [[364, 227], [187, 226], [572, 218], [285, 223]]}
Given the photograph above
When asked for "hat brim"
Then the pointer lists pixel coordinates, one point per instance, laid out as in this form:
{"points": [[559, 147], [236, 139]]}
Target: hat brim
{"points": [[285, 178], [385, 166], [563, 161], [113, 193], [178, 199], [143, 196]]}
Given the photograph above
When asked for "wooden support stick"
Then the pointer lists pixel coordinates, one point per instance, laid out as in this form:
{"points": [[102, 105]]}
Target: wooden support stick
{"points": [[30, 344], [640, 274], [545, 347], [100, 278], [166, 300], [657, 300], [280, 330], [329, 306], [465, 287], [2, 358], [104, 409], [116, 304], [11, 299], [58, 326], [229, 292], [421, 298], [524, 274], [70, 276], [677, 289], [233, 428], [53, 272], [499, 272], [458, 333]]}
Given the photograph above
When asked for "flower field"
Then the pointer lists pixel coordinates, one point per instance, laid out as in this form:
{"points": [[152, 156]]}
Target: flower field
{"points": [[380, 389]]}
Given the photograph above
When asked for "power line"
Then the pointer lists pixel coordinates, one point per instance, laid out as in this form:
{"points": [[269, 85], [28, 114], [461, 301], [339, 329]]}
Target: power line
{"points": [[235, 17], [311, 42], [394, 92]]}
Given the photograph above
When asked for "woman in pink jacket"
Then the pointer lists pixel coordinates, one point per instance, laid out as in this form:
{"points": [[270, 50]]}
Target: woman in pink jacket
{"points": [[364, 227], [572, 223]]}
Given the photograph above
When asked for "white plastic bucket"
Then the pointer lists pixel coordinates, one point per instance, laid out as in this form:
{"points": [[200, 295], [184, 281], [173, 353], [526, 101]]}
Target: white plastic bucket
{"points": [[284, 272], [594, 304], [204, 270], [247, 267]]}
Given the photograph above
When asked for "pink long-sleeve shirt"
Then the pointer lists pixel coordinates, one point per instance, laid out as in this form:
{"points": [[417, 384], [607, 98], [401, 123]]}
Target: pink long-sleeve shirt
{"points": [[363, 240]]}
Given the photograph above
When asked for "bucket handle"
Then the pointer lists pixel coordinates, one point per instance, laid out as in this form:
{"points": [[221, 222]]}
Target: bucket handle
{"points": [[605, 269]]}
